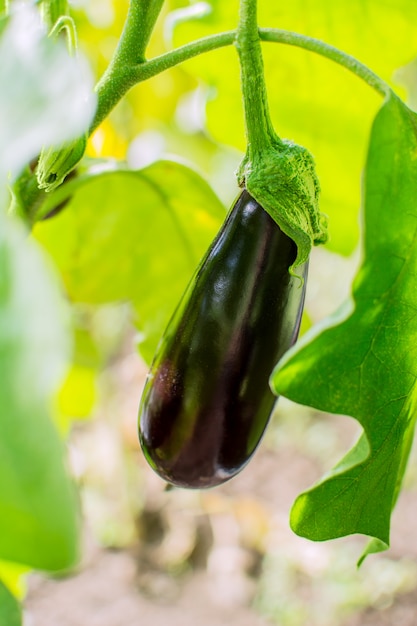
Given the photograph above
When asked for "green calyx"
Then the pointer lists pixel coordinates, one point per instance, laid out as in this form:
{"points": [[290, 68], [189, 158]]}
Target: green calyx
{"points": [[278, 173], [56, 163], [283, 180]]}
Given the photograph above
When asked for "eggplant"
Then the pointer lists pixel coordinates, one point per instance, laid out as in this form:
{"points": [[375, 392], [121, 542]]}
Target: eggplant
{"points": [[207, 400]]}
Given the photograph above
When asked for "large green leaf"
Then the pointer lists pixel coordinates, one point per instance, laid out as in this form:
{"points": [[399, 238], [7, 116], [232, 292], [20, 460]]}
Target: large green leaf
{"points": [[134, 236], [37, 505], [10, 612], [363, 363], [313, 101]]}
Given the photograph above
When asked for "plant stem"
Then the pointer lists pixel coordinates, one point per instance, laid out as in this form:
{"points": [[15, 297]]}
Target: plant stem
{"points": [[259, 129], [128, 77], [139, 24], [276, 35], [130, 53], [131, 76]]}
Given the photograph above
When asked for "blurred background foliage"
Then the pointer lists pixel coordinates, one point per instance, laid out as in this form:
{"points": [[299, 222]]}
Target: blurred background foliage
{"points": [[124, 260]]}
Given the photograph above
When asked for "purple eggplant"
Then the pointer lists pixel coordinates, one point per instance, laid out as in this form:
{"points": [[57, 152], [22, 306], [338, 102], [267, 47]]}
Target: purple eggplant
{"points": [[207, 400]]}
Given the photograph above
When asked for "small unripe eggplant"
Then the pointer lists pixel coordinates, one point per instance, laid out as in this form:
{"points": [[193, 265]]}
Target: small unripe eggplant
{"points": [[207, 400]]}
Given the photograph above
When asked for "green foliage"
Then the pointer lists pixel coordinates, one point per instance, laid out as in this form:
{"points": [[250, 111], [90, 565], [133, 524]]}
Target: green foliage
{"points": [[39, 88], [363, 363], [38, 515], [10, 612], [134, 236]]}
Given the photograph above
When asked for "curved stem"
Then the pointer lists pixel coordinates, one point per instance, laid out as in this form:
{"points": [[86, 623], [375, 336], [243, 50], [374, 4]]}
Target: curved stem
{"points": [[131, 76], [130, 53], [128, 77], [184, 53], [276, 35], [139, 24], [114, 84], [259, 129]]}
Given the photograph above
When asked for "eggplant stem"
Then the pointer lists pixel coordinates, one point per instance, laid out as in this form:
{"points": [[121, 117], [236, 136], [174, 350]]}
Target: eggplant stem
{"points": [[260, 132]]}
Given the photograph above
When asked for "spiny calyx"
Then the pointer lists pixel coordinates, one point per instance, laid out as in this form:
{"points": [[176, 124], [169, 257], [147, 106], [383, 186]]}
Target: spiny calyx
{"points": [[283, 180]]}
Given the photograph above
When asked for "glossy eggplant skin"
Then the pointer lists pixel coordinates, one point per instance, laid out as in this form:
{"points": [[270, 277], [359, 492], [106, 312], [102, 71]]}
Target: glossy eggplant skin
{"points": [[207, 400]]}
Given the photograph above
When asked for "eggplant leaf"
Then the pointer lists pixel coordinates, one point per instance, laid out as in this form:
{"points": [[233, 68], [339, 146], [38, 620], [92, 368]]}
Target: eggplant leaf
{"points": [[363, 363], [133, 236]]}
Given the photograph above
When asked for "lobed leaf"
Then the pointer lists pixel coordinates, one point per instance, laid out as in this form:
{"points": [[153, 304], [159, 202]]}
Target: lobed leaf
{"points": [[363, 362]]}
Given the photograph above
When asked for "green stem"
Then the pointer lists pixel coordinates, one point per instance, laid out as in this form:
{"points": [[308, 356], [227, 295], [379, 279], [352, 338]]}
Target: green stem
{"points": [[130, 53], [119, 84], [259, 129], [179, 55], [140, 22], [330, 52], [114, 85]]}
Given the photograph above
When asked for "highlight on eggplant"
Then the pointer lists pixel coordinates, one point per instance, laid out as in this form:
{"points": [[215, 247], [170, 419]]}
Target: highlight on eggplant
{"points": [[207, 400]]}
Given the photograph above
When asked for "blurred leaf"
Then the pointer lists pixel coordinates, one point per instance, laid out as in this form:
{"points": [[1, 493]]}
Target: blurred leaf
{"points": [[135, 236], [38, 523], [363, 363], [313, 101], [14, 577], [46, 97], [105, 142], [86, 352], [77, 396], [10, 612]]}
